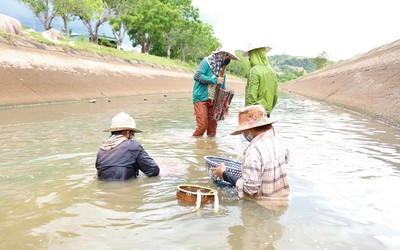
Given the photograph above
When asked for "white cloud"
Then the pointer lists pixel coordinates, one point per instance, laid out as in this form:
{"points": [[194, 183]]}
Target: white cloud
{"points": [[343, 28]]}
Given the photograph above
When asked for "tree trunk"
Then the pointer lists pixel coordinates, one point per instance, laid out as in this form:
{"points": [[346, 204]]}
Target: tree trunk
{"points": [[103, 19], [119, 44], [169, 51], [88, 25], [149, 46], [183, 52], [144, 49], [65, 19], [96, 36], [46, 22], [119, 36]]}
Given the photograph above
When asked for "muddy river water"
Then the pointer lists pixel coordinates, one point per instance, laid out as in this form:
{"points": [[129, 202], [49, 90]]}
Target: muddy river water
{"points": [[344, 175]]}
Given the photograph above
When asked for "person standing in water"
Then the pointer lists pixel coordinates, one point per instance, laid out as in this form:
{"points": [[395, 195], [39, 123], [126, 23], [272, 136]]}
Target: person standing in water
{"points": [[262, 83], [209, 74]]}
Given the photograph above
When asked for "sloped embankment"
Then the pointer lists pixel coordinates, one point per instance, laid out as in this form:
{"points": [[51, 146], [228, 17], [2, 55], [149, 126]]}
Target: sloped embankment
{"points": [[368, 83], [32, 75]]}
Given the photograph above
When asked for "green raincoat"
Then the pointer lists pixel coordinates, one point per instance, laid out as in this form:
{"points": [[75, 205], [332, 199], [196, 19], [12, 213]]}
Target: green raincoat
{"points": [[262, 84]]}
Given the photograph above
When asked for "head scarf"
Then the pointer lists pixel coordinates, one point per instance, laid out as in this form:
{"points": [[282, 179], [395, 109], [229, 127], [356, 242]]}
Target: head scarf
{"points": [[216, 62], [112, 142]]}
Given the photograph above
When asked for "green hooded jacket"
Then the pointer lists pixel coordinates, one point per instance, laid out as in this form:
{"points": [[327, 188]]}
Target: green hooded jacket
{"points": [[262, 84]]}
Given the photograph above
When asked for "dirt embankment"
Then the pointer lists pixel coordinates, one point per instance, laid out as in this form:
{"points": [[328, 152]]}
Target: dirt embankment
{"points": [[368, 83], [32, 74]]}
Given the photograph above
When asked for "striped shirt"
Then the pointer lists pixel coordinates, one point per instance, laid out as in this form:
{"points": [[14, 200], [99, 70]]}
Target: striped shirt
{"points": [[263, 168]]}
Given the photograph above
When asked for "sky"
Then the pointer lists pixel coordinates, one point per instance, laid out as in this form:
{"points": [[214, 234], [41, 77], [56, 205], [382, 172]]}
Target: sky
{"points": [[342, 28]]}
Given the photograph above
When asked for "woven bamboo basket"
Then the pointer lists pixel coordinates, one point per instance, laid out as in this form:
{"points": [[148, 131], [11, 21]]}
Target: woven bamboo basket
{"points": [[233, 167], [188, 193]]}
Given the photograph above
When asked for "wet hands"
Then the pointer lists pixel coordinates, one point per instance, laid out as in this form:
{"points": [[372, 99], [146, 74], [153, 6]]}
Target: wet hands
{"points": [[219, 171]]}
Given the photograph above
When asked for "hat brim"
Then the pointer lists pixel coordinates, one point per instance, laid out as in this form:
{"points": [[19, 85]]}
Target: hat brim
{"points": [[240, 129], [232, 55], [121, 129], [267, 49]]}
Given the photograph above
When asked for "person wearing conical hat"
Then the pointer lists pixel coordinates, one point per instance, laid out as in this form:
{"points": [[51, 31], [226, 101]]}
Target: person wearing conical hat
{"points": [[262, 83], [208, 75], [264, 177], [120, 157]]}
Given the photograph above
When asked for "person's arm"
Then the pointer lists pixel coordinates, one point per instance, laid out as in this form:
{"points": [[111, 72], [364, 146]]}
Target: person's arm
{"points": [[204, 74], [146, 164], [228, 177], [221, 174]]}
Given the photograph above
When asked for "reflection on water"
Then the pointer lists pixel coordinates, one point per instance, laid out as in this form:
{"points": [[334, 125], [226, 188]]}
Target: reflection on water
{"points": [[344, 173]]}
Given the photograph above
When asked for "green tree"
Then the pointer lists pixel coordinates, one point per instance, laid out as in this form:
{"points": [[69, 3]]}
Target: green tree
{"points": [[170, 28], [321, 61], [195, 41], [119, 10], [92, 12], [43, 10], [66, 10], [146, 23], [171, 21], [205, 41], [241, 67], [183, 13], [185, 38]]}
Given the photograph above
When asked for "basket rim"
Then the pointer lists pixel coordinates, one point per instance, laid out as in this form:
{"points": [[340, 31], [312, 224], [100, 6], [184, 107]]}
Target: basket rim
{"points": [[207, 158], [191, 193]]}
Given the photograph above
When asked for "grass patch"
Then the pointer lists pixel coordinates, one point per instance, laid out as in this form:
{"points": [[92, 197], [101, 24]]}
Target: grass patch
{"points": [[7, 36], [37, 36], [86, 46]]}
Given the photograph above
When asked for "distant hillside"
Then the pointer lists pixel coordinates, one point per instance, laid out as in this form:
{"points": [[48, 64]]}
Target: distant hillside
{"points": [[287, 67], [301, 62], [291, 67]]}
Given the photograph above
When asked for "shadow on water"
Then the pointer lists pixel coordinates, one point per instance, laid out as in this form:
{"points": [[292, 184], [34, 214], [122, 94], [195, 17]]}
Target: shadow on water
{"points": [[343, 173]]}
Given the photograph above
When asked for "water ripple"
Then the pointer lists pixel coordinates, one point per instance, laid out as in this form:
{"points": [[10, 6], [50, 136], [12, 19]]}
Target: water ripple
{"points": [[343, 174]]}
